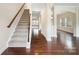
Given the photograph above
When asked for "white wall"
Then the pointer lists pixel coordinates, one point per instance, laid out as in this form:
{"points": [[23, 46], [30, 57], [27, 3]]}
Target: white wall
{"points": [[28, 6], [77, 22], [7, 12], [43, 22], [50, 26], [62, 9], [46, 22], [43, 16], [46, 25]]}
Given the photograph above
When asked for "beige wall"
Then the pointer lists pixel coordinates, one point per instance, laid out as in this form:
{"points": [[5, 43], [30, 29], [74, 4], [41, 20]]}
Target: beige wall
{"points": [[7, 12]]}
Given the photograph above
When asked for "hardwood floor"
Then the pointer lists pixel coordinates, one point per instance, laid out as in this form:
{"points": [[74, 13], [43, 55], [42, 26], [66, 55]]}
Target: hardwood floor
{"points": [[39, 46]]}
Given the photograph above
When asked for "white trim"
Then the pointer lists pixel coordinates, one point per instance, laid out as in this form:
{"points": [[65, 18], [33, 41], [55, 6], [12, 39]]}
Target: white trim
{"points": [[28, 45], [3, 48]]}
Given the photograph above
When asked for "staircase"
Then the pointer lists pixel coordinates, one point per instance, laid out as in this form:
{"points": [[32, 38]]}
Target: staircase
{"points": [[20, 36]]}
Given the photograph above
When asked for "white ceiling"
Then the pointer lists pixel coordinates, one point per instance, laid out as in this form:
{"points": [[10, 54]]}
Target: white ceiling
{"points": [[38, 6], [67, 4]]}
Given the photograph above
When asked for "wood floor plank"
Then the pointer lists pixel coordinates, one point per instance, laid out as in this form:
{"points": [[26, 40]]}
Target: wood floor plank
{"points": [[39, 46]]}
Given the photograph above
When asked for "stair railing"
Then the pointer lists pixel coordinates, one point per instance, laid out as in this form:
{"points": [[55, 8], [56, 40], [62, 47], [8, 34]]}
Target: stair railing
{"points": [[29, 29], [15, 16]]}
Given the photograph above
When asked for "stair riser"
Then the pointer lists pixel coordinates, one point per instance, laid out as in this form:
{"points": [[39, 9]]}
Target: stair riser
{"points": [[20, 34], [24, 30], [20, 37], [24, 20], [25, 24]]}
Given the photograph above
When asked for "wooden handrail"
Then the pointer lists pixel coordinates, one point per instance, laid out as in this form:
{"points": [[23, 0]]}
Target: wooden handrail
{"points": [[15, 16]]}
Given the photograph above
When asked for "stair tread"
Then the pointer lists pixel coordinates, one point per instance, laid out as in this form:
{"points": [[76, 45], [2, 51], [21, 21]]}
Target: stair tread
{"points": [[23, 24], [19, 39], [20, 29], [24, 21], [17, 44], [20, 36]]}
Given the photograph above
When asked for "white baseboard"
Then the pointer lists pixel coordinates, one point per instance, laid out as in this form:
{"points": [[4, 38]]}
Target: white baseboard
{"points": [[28, 45], [49, 39], [3, 48]]}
